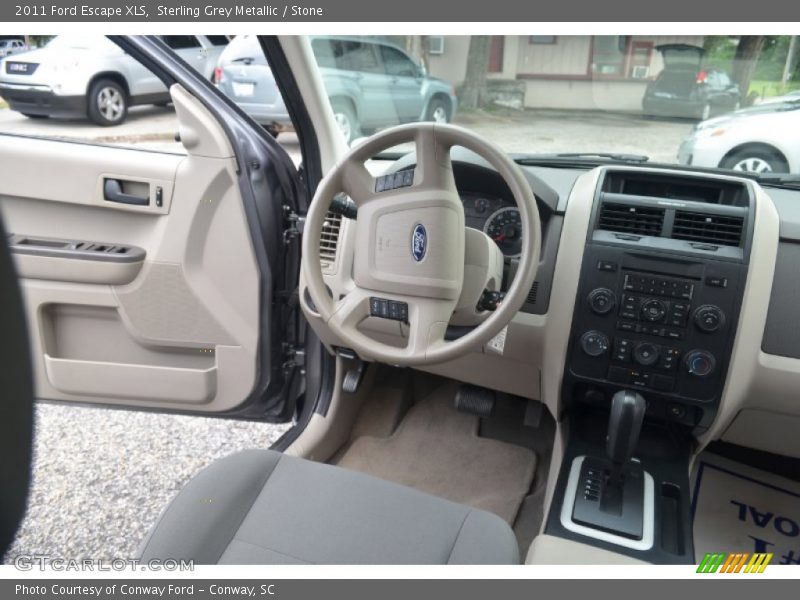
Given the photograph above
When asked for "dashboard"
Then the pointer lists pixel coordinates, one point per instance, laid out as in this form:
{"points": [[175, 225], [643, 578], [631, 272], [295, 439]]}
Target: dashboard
{"points": [[650, 278]]}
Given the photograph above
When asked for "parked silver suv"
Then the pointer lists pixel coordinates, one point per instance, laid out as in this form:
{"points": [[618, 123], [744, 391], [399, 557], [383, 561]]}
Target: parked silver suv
{"points": [[90, 76], [360, 75]]}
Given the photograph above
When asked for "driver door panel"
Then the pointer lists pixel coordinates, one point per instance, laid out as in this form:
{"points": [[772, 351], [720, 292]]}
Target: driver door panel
{"points": [[177, 329]]}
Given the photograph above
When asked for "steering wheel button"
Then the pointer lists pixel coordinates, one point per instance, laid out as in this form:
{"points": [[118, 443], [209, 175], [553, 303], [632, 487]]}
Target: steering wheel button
{"points": [[378, 307]]}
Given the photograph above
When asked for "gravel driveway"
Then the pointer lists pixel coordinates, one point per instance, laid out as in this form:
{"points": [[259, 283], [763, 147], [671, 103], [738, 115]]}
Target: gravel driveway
{"points": [[102, 476]]}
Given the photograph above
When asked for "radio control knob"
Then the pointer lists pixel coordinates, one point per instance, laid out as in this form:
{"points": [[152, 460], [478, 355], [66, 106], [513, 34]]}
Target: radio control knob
{"points": [[594, 343], [709, 318], [602, 301], [653, 310], [645, 354], [700, 363]]}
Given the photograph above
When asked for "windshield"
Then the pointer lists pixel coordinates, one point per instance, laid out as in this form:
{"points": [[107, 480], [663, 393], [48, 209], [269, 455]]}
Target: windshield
{"points": [[649, 96]]}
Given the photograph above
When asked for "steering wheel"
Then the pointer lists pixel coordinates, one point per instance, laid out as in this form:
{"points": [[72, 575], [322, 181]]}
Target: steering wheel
{"points": [[410, 249]]}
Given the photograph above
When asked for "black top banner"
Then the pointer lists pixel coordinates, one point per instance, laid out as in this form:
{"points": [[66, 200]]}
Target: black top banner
{"points": [[326, 11]]}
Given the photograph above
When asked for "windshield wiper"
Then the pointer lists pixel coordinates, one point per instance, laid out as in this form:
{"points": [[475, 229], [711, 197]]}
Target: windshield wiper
{"points": [[776, 179], [637, 158], [534, 159]]}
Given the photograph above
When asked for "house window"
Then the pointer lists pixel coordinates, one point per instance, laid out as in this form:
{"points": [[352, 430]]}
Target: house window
{"points": [[435, 44], [541, 39], [609, 55], [639, 59]]}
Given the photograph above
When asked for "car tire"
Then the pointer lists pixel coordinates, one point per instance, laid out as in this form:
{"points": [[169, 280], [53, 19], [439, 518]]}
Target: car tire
{"points": [[107, 103], [346, 120], [273, 131], [757, 160], [438, 111], [30, 116]]}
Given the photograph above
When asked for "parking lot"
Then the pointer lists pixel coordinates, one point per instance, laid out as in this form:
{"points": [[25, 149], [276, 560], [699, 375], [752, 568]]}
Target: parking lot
{"points": [[529, 131], [102, 476]]}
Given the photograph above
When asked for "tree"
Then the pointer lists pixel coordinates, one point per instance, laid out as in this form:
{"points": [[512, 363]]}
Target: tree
{"points": [[474, 88], [745, 60]]}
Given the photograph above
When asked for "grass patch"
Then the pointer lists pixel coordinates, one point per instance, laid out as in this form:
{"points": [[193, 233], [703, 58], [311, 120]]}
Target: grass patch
{"points": [[768, 89]]}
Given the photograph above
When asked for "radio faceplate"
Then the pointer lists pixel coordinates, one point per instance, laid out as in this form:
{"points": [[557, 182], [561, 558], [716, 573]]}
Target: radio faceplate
{"points": [[659, 323]]}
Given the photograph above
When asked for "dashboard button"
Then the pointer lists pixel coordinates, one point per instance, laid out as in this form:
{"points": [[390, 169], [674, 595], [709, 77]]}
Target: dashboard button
{"points": [[646, 354], [607, 265], [618, 374], [653, 310], [662, 383], [709, 318], [721, 282], [700, 363], [594, 343], [602, 301]]}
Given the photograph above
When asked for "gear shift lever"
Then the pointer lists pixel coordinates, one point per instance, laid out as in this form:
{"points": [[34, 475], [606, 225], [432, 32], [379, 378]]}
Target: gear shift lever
{"points": [[624, 426], [610, 495]]}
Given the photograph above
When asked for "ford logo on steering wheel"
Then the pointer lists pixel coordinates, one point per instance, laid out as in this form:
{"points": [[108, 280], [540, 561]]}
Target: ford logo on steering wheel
{"points": [[419, 242]]}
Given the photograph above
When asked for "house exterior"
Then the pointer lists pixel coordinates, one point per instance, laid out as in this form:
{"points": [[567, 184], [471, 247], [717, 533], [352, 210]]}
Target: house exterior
{"points": [[568, 72]]}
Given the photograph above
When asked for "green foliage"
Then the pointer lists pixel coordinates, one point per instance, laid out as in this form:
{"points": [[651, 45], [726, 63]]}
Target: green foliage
{"points": [[769, 68]]}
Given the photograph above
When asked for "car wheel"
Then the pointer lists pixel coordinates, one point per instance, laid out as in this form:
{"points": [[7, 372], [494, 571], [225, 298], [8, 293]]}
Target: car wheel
{"points": [[108, 103], [438, 111], [346, 120], [273, 131], [30, 116], [756, 161]]}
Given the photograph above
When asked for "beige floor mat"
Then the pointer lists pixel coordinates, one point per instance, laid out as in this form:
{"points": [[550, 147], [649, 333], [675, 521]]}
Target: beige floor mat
{"points": [[738, 508], [437, 450]]}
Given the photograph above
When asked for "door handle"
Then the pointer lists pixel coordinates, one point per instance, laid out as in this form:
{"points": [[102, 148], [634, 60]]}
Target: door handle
{"points": [[112, 191]]}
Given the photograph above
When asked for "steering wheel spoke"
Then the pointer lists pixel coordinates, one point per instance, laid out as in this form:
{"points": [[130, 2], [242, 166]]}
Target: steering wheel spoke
{"points": [[357, 182]]}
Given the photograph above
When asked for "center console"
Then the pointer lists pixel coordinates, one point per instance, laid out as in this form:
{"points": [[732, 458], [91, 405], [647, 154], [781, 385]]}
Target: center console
{"points": [[660, 289], [661, 284]]}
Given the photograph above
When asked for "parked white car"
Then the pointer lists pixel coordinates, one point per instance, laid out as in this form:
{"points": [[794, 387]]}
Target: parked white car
{"points": [[760, 139], [90, 76], [9, 47]]}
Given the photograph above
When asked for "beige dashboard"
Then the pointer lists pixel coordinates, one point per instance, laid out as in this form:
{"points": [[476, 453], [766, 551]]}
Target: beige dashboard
{"points": [[759, 397]]}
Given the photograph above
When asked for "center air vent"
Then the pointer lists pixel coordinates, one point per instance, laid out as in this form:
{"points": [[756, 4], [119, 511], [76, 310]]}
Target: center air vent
{"points": [[329, 238], [707, 228], [628, 218]]}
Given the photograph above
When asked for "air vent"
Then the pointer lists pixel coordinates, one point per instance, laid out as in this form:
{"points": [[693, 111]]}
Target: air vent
{"points": [[534, 291], [707, 228], [329, 238], [627, 218]]}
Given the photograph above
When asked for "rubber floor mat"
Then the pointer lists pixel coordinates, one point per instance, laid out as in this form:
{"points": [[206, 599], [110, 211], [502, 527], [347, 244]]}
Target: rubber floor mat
{"points": [[738, 508]]}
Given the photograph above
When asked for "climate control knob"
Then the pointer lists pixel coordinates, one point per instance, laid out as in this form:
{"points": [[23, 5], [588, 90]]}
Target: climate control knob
{"points": [[709, 318], [602, 301], [594, 343], [700, 363], [653, 310], [645, 354]]}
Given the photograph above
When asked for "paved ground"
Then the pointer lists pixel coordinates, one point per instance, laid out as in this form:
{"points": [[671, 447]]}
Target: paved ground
{"points": [[102, 476], [534, 131]]}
